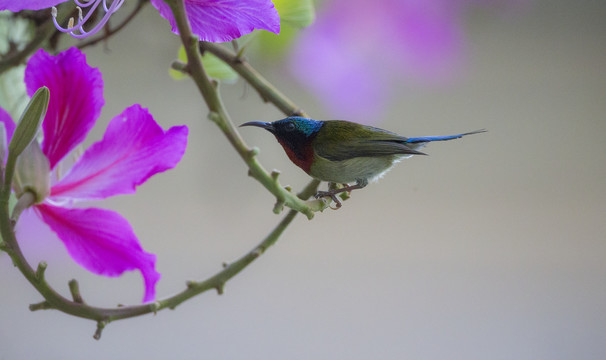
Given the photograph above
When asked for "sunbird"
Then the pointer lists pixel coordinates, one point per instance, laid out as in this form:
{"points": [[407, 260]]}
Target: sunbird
{"points": [[344, 152]]}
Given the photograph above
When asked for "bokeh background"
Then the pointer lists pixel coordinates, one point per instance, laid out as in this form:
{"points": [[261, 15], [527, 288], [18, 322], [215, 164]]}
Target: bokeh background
{"points": [[493, 247]]}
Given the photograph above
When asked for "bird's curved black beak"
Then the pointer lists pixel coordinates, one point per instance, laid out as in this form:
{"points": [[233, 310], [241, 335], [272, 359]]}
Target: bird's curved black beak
{"points": [[265, 125]]}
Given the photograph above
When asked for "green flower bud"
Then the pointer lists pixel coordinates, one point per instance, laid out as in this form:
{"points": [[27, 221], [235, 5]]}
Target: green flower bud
{"points": [[32, 173]]}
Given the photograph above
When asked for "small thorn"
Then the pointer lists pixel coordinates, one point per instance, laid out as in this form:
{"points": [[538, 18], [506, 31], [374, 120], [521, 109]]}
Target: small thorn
{"points": [[70, 24], [40, 271], [274, 174], [190, 284], [220, 288], [100, 326], [253, 152], [74, 289], [224, 265], [40, 306]]}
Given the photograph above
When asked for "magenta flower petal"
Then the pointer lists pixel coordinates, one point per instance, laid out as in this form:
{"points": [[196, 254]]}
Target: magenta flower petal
{"points": [[133, 148], [345, 81], [6, 135], [9, 124], [101, 241], [76, 99], [18, 5], [224, 20]]}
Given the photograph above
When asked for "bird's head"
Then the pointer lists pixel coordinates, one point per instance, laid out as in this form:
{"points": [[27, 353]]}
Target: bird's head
{"points": [[295, 134]]}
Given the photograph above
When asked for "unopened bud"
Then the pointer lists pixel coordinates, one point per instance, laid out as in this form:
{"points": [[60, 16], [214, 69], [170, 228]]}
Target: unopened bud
{"points": [[32, 173]]}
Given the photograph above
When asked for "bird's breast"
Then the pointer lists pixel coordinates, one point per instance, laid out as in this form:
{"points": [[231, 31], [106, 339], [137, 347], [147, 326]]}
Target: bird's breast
{"points": [[302, 156], [351, 170]]}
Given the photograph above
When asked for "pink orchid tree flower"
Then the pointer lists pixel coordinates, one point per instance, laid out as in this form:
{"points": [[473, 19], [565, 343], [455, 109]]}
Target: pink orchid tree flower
{"points": [[133, 149], [211, 20], [358, 51]]}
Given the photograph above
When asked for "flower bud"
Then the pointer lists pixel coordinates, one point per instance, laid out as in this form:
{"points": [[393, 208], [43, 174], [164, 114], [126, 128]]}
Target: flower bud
{"points": [[32, 173]]}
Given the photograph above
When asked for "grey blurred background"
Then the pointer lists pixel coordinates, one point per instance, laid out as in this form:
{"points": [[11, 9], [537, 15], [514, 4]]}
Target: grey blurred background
{"points": [[493, 247]]}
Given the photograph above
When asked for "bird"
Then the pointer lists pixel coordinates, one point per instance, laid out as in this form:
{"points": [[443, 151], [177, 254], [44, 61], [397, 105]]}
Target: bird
{"points": [[344, 152]]}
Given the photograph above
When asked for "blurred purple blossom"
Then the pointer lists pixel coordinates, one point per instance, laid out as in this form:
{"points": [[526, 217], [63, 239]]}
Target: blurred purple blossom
{"points": [[133, 149], [358, 50]]}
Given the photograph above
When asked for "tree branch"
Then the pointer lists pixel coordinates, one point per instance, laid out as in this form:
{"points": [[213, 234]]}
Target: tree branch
{"points": [[78, 307], [43, 33]]}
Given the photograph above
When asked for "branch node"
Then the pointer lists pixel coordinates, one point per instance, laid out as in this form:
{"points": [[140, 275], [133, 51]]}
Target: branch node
{"points": [[214, 117], [40, 306], [40, 271], [100, 326], [191, 284], [288, 188], [155, 307], [257, 252], [74, 289]]}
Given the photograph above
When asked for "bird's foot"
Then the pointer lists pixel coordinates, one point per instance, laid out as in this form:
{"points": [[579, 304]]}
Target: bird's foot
{"points": [[331, 194]]}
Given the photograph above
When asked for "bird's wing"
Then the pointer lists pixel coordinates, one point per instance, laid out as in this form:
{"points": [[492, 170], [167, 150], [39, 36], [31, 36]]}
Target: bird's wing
{"points": [[358, 141]]}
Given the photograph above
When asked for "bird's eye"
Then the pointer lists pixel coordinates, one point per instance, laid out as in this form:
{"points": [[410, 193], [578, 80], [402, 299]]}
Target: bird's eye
{"points": [[289, 127]]}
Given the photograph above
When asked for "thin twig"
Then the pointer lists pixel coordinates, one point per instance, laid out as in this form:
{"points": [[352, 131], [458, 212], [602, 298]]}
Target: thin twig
{"points": [[43, 33], [79, 308], [266, 90]]}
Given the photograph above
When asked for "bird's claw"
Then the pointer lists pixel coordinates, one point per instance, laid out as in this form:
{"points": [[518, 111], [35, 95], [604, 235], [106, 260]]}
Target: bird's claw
{"points": [[332, 195]]}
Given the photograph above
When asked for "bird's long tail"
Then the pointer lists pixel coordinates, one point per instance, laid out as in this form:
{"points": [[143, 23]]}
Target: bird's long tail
{"points": [[425, 139]]}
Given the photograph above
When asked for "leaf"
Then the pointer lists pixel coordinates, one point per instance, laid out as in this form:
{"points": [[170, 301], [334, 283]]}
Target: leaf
{"points": [[296, 13], [217, 69]]}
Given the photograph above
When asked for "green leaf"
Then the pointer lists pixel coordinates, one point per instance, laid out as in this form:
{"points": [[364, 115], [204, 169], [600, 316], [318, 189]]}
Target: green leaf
{"points": [[217, 69], [272, 45], [214, 67], [296, 13], [29, 123]]}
